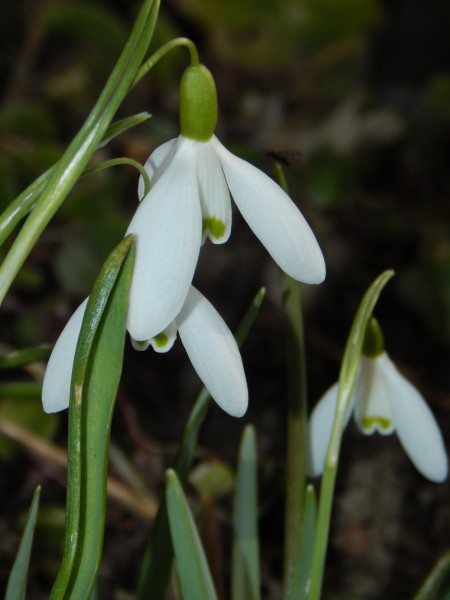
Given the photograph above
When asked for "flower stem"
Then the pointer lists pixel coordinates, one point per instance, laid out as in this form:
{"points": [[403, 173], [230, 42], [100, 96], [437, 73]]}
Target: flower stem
{"points": [[114, 162], [296, 416], [161, 52], [347, 381], [296, 427]]}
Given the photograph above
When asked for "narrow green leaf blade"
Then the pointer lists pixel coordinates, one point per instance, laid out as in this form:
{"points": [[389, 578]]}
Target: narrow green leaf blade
{"points": [[95, 379], [435, 581], [99, 385], [25, 201], [301, 578], [195, 578], [17, 582], [245, 576], [27, 356], [119, 127], [64, 174]]}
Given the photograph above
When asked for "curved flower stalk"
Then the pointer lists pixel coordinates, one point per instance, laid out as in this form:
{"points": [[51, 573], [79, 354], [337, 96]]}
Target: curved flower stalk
{"points": [[192, 177], [209, 344], [383, 401]]}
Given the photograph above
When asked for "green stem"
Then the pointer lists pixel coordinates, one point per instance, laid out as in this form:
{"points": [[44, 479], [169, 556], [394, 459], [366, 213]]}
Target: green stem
{"points": [[347, 381], [296, 427], [20, 389], [296, 416], [114, 162], [161, 52], [22, 205]]}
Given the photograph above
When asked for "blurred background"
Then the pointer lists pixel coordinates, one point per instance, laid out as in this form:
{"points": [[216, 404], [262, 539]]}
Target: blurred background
{"points": [[354, 98]]}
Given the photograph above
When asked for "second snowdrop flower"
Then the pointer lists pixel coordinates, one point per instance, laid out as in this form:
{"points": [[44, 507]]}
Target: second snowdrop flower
{"points": [[208, 342], [383, 401], [192, 177]]}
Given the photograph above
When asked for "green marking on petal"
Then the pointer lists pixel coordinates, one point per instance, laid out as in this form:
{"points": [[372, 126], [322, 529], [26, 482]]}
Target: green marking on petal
{"points": [[161, 340], [369, 423], [143, 345], [215, 226]]}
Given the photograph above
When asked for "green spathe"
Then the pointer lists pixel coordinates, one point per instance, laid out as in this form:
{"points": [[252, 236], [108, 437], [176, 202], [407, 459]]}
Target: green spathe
{"points": [[198, 104], [373, 345]]}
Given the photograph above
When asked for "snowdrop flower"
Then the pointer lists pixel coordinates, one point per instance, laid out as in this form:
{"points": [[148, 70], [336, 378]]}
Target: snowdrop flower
{"points": [[383, 401], [208, 342], [192, 177]]}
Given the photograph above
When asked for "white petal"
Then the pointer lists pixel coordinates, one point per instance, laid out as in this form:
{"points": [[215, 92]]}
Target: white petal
{"points": [[58, 375], [213, 352], [214, 195], [156, 164], [416, 426], [319, 430], [167, 226], [274, 218], [373, 410]]}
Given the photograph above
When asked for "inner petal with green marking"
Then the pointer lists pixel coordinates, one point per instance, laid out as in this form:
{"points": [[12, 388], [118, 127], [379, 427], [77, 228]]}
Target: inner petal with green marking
{"points": [[381, 424], [161, 340], [214, 226]]}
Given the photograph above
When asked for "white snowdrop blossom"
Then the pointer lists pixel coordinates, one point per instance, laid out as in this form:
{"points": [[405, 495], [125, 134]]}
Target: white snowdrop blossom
{"points": [[383, 401], [192, 177], [208, 342]]}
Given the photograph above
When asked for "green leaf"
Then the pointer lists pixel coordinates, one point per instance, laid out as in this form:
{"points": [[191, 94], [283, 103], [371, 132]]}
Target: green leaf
{"points": [[17, 582], [61, 178], [301, 577], [27, 356], [157, 563], [25, 202], [20, 389], [245, 576], [195, 578], [119, 127], [434, 583], [95, 379]]}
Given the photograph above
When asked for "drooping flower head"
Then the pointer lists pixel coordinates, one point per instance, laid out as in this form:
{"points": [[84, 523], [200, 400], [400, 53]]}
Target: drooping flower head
{"points": [[192, 177], [208, 342], [383, 401]]}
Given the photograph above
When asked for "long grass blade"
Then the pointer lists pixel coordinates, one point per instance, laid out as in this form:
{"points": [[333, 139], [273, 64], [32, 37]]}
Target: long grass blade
{"points": [[245, 575], [17, 582], [195, 578]]}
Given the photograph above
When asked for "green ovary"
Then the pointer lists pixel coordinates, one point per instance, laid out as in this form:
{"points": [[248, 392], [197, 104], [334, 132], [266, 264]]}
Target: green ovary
{"points": [[371, 422], [215, 226], [161, 340]]}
